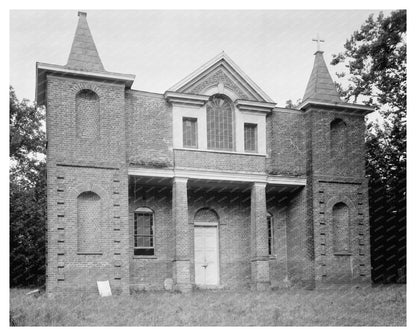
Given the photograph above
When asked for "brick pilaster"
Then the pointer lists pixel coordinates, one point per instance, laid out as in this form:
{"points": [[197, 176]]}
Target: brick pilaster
{"points": [[259, 249], [182, 273]]}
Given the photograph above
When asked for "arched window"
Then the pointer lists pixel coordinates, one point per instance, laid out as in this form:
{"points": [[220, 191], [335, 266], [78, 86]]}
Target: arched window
{"points": [[87, 107], [270, 233], [89, 222], [220, 130], [144, 233], [338, 129], [206, 215], [341, 227]]}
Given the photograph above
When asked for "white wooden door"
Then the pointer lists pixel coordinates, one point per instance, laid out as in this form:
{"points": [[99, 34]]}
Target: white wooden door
{"points": [[206, 255]]}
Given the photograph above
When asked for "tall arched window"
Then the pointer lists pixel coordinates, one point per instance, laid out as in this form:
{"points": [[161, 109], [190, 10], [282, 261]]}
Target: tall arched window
{"points": [[206, 215], [220, 130], [89, 222], [338, 138], [87, 107], [341, 227], [144, 232]]}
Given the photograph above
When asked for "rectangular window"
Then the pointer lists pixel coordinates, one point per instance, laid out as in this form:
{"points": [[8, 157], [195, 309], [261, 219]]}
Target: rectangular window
{"points": [[190, 132], [270, 235], [250, 138], [143, 234]]}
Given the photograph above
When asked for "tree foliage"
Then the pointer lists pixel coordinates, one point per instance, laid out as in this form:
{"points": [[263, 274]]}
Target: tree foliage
{"points": [[375, 74], [27, 193]]}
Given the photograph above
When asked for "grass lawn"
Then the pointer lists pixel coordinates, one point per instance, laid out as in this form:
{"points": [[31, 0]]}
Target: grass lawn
{"points": [[381, 305]]}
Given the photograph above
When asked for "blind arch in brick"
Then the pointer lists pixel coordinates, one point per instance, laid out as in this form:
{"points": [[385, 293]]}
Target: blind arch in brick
{"points": [[89, 222], [206, 215], [220, 123], [341, 227], [87, 108], [338, 134]]}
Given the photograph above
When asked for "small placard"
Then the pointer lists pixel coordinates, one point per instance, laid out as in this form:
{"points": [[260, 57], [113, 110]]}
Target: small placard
{"points": [[104, 288]]}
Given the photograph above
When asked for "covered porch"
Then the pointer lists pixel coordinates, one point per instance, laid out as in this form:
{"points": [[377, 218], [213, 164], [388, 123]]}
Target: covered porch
{"points": [[211, 229]]}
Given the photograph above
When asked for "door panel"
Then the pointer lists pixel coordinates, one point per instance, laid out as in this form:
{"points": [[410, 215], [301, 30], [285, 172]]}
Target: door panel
{"points": [[206, 255], [199, 255]]}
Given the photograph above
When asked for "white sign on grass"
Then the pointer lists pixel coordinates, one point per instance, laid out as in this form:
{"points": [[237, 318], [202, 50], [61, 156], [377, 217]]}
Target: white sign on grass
{"points": [[104, 288]]}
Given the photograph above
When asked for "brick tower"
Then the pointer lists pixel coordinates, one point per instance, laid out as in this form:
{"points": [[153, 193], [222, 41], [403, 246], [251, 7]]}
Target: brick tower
{"points": [[87, 174], [336, 191]]}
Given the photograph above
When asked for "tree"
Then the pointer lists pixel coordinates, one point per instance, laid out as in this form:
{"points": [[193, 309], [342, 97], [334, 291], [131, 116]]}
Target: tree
{"points": [[375, 74], [27, 193], [292, 105]]}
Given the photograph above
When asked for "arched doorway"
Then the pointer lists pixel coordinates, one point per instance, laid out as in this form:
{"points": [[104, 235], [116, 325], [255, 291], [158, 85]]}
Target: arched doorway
{"points": [[206, 256]]}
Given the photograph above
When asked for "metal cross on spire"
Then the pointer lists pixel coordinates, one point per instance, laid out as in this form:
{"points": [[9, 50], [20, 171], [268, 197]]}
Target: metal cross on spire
{"points": [[318, 42]]}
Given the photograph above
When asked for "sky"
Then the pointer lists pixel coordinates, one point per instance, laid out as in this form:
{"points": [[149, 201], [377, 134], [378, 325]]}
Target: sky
{"points": [[273, 47]]}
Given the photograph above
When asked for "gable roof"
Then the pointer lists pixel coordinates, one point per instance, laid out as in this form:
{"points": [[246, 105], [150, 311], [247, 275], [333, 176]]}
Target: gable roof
{"points": [[321, 86], [222, 60], [84, 54]]}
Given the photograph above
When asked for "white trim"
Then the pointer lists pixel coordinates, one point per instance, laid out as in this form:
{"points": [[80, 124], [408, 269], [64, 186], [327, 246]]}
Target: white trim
{"points": [[260, 184], [109, 75], [143, 210], [221, 56], [180, 179], [219, 151], [199, 223], [349, 106], [185, 98], [151, 172], [190, 111], [285, 180], [214, 89], [259, 107], [183, 174]]}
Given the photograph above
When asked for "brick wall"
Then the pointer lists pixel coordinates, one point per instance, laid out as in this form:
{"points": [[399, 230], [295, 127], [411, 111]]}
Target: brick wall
{"points": [[277, 206], [286, 143], [298, 143], [298, 261], [76, 164], [332, 179], [219, 161], [150, 271], [352, 164], [333, 266], [149, 129]]}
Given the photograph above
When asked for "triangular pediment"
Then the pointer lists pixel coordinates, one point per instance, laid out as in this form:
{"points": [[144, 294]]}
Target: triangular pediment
{"points": [[221, 75]]}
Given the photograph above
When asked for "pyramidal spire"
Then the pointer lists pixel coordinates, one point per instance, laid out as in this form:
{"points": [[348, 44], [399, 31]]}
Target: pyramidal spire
{"points": [[84, 55], [321, 86]]}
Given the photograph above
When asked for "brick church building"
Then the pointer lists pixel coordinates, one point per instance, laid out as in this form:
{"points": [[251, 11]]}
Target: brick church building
{"points": [[209, 184]]}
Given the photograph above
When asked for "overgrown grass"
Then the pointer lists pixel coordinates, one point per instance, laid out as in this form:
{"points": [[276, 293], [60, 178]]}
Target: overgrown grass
{"points": [[382, 305]]}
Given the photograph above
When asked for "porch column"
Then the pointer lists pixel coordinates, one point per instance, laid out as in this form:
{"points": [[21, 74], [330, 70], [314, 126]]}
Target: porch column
{"points": [[259, 248], [181, 265]]}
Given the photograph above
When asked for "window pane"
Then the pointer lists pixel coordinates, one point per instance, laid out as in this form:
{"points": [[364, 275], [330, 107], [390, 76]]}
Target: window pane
{"points": [[143, 233], [190, 132], [219, 124], [250, 137]]}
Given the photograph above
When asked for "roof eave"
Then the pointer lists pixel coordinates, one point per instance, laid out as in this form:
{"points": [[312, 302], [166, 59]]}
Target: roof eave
{"points": [[42, 69], [357, 108]]}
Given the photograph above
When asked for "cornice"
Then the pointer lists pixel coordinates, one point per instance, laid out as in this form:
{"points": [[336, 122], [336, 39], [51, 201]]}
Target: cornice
{"points": [[247, 105], [185, 98], [232, 176], [347, 107]]}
